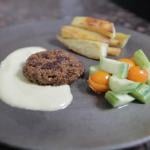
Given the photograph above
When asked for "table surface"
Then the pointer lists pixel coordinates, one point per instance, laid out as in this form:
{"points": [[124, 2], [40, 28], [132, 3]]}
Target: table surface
{"points": [[14, 12]]}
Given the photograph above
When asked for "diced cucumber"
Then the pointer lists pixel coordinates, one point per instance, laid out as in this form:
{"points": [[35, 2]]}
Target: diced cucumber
{"points": [[141, 59], [93, 69], [120, 69], [117, 100], [142, 93], [122, 85]]}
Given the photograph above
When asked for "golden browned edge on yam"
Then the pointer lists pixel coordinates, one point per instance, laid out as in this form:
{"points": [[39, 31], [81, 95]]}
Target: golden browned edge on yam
{"points": [[120, 40], [79, 33], [114, 51], [104, 27], [87, 48]]}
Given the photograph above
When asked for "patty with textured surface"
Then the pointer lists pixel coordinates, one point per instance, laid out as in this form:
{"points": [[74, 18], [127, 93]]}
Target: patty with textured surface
{"points": [[55, 67]]}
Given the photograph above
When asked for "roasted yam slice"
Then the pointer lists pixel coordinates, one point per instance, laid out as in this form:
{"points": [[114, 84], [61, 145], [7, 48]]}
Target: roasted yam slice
{"points": [[79, 33], [87, 48], [103, 27], [115, 51], [120, 40]]}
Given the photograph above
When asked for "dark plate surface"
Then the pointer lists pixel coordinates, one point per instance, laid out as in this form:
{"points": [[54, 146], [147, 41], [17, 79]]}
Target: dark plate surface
{"points": [[88, 123]]}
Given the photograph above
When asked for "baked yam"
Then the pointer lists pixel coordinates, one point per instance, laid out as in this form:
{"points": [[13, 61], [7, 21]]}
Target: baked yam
{"points": [[79, 33], [114, 51], [88, 48], [120, 40], [103, 27]]}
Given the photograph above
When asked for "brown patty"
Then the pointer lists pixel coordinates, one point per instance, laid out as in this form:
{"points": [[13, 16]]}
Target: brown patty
{"points": [[55, 67]]}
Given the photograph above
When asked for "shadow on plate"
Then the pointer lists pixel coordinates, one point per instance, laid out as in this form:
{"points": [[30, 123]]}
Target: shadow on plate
{"points": [[98, 99], [56, 43], [4, 146]]}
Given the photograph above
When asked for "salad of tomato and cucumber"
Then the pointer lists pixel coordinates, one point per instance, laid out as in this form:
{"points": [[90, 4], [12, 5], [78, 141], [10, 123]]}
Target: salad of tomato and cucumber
{"points": [[123, 80]]}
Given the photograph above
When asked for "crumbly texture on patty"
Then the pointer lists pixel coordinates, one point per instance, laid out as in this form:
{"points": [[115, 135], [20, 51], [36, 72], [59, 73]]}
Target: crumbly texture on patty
{"points": [[55, 67]]}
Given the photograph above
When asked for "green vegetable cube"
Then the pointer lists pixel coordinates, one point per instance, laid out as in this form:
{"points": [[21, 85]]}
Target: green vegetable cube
{"points": [[142, 93], [117, 100]]}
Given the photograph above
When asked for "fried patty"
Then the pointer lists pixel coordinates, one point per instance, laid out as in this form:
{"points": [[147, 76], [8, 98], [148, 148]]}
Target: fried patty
{"points": [[55, 67]]}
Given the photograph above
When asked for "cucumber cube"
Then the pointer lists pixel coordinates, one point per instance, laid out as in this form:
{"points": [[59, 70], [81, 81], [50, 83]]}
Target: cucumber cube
{"points": [[142, 60], [142, 93], [114, 67], [122, 85], [117, 100]]}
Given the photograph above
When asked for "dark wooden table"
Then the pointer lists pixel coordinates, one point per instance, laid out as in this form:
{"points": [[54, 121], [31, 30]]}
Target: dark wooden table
{"points": [[13, 12]]}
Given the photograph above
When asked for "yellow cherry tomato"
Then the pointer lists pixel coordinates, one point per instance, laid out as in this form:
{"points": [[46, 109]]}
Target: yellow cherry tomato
{"points": [[100, 77], [132, 58], [98, 81], [97, 88], [137, 74], [128, 61]]}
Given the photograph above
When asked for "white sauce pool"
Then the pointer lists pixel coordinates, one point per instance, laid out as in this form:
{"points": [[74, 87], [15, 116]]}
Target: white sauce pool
{"points": [[17, 91]]}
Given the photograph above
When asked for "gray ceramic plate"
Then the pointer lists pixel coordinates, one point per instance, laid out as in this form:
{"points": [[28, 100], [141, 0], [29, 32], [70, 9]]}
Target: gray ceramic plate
{"points": [[88, 123]]}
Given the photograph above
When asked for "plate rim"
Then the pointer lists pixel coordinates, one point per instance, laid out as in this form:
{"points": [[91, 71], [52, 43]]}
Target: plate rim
{"points": [[115, 146]]}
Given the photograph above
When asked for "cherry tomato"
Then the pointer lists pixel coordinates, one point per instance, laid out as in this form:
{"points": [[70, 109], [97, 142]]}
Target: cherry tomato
{"points": [[137, 74], [132, 58], [98, 81], [128, 61], [97, 88], [100, 77]]}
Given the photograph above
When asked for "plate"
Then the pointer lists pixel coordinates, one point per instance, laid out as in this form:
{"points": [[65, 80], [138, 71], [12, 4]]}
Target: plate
{"points": [[89, 123]]}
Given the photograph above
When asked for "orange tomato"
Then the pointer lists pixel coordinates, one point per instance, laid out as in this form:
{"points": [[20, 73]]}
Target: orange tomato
{"points": [[100, 77], [98, 81], [97, 88], [137, 74], [128, 61], [132, 58]]}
